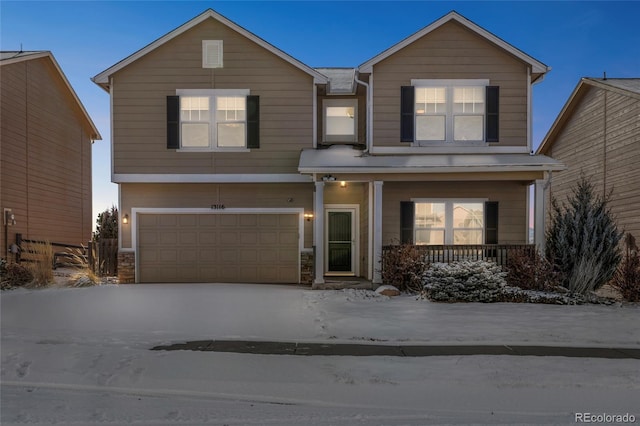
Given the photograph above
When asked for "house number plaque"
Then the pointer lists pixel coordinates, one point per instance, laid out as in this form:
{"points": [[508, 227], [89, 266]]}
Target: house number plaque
{"points": [[217, 206]]}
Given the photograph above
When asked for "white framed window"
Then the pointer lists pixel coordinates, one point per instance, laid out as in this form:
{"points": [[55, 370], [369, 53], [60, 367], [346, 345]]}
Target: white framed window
{"points": [[340, 120], [449, 221], [213, 120], [449, 111]]}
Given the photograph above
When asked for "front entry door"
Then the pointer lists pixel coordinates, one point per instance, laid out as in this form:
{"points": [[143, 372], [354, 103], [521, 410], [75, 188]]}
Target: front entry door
{"points": [[340, 241]]}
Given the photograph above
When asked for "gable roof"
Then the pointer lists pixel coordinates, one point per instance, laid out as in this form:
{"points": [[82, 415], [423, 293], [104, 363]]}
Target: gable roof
{"points": [[341, 80], [624, 86], [102, 79], [12, 57], [537, 66]]}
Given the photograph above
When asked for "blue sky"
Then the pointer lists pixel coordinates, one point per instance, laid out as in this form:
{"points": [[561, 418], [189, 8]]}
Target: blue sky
{"points": [[575, 39]]}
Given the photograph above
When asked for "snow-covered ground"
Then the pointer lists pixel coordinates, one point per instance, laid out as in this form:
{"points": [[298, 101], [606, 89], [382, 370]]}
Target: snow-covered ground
{"points": [[81, 357]]}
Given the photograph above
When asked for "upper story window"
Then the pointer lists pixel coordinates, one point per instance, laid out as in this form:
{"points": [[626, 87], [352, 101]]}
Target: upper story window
{"points": [[340, 120], [449, 111], [213, 120]]}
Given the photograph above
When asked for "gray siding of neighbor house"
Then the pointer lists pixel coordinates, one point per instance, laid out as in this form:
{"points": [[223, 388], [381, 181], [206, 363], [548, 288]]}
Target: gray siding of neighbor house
{"points": [[45, 155], [601, 139]]}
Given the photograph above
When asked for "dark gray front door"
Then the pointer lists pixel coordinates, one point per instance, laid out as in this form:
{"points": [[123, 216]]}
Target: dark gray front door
{"points": [[340, 241]]}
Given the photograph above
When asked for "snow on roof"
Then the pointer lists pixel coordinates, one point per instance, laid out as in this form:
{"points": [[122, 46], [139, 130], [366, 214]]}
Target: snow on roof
{"points": [[13, 54], [341, 80], [346, 159], [628, 84]]}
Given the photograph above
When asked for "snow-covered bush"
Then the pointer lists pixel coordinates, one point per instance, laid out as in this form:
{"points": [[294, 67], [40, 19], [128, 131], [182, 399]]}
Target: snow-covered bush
{"points": [[403, 267], [582, 241], [466, 281]]}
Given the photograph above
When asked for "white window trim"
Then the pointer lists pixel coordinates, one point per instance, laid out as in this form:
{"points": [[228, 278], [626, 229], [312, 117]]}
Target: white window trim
{"points": [[218, 45], [212, 93], [326, 103], [449, 84], [448, 214]]}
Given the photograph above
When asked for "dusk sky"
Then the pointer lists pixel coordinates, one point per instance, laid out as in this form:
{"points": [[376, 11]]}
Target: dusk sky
{"points": [[576, 39]]}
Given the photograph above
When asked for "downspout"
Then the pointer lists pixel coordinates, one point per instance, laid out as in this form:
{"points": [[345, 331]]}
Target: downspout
{"points": [[368, 114]]}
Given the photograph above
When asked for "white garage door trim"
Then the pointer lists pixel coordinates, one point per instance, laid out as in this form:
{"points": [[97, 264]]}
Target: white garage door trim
{"points": [[151, 210]]}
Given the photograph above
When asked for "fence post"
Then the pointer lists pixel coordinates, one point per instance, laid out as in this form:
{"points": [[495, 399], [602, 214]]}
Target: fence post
{"points": [[19, 244], [90, 258]]}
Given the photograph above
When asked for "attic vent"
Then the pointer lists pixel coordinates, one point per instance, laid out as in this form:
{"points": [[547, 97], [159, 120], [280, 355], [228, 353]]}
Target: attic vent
{"points": [[211, 53]]}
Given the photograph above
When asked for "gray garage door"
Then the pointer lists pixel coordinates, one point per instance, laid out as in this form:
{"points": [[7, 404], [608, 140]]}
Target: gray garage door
{"points": [[223, 247]]}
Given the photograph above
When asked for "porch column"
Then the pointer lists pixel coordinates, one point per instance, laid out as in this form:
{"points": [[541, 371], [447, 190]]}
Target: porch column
{"points": [[377, 233], [318, 234], [539, 205]]}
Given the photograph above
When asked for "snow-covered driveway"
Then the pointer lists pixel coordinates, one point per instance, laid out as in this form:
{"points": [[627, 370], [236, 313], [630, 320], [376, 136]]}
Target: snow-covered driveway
{"points": [[81, 356]]}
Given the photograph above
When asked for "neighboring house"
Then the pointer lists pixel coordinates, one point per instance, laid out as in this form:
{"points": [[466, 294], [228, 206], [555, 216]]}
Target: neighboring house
{"points": [[237, 163], [45, 152], [597, 134]]}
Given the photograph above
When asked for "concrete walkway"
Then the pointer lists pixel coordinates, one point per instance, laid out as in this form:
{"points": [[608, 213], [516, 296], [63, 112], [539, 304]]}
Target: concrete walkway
{"points": [[348, 349]]}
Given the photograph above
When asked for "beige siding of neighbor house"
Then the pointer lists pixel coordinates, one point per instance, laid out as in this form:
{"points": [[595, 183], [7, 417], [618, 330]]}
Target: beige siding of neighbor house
{"points": [[601, 139], [184, 196], [511, 197], [45, 155], [450, 52], [139, 105]]}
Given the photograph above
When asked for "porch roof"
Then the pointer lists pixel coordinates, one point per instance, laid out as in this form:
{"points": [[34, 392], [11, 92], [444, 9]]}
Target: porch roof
{"points": [[345, 159]]}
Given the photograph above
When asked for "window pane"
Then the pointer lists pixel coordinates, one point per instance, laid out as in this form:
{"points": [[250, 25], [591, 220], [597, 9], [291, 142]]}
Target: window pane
{"points": [[467, 236], [468, 215], [429, 236], [468, 100], [468, 128], [194, 108], [430, 127], [429, 215], [231, 135], [340, 121], [431, 100], [195, 135], [230, 108]]}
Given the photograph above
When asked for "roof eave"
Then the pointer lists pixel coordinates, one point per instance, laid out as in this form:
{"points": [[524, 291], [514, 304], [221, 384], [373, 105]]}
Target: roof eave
{"points": [[537, 66], [102, 79], [441, 169]]}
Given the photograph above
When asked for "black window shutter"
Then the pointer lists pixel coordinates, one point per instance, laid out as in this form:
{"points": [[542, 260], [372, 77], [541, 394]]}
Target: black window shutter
{"points": [[253, 121], [407, 101], [173, 122], [407, 219], [492, 113], [491, 222]]}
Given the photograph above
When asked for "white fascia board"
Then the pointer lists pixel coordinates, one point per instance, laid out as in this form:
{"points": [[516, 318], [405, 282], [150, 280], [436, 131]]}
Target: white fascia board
{"points": [[537, 66], [210, 178], [437, 169], [392, 150], [102, 78]]}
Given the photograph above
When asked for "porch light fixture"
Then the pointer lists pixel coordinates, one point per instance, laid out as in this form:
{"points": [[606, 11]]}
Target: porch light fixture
{"points": [[328, 178], [125, 219], [343, 184], [308, 216], [9, 217]]}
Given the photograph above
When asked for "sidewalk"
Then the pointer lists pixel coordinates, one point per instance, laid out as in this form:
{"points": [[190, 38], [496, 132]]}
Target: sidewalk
{"points": [[346, 349]]}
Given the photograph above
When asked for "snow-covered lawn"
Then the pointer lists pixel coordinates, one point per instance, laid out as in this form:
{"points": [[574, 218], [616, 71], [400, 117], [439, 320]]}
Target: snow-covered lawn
{"points": [[81, 356]]}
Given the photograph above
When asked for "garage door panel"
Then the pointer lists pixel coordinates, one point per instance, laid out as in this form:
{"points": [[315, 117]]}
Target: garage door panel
{"points": [[218, 247]]}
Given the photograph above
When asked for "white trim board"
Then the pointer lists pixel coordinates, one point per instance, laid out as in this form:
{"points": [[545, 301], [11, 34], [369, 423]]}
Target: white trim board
{"points": [[210, 178]]}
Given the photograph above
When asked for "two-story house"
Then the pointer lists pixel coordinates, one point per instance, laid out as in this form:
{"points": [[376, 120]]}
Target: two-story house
{"points": [[46, 137], [237, 163]]}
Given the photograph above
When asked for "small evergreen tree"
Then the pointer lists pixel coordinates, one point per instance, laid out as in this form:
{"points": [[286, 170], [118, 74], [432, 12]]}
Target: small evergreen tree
{"points": [[107, 224], [627, 277], [582, 241]]}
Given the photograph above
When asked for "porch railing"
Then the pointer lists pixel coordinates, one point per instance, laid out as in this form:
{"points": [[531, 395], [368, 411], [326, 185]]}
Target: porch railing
{"points": [[497, 253]]}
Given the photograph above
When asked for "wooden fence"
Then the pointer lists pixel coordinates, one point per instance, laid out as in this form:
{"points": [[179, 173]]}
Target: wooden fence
{"points": [[100, 256], [497, 253]]}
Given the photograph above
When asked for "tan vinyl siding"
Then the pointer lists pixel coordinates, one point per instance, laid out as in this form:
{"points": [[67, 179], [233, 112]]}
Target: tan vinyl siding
{"points": [[601, 139], [450, 52], [511, 196], [139, 105], [45, 155], [204, 195]]}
